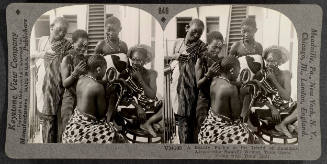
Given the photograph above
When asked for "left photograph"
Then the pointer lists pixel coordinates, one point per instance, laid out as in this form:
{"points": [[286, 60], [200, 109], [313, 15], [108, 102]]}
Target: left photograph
{"points": [[96, 76]]}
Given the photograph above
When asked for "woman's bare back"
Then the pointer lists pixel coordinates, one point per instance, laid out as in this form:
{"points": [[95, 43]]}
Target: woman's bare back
{"points": [[91, 97]]}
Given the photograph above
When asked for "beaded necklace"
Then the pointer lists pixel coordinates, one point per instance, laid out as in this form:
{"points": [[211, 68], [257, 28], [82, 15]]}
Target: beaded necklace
{"points": [[224, 78], [247, 50], [58, 45], [109, 42], [90, 77]]}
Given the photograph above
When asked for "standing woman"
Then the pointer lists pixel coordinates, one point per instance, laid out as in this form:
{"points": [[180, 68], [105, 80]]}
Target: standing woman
{"points": [[112, 47], [187, 51], [56, 48], [72, 66]]}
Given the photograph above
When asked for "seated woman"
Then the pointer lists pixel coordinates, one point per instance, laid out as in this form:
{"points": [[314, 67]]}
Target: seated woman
{"points": [[88, 123], [223, 124], [271, 88], [141, 88]]}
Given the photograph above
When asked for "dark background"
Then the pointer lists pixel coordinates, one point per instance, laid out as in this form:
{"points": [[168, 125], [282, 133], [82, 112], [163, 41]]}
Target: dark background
{"points": [[3, 84]]}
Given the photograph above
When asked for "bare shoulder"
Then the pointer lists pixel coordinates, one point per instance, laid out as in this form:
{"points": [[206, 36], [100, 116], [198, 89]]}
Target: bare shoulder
{"points": [[89, 86], [258, 44], [99, 47], [152, 73], [259, 47], [67, 59], [224, 88], [199, 61], [123, 46], [234, 48], [100, 44], [236, 44]]}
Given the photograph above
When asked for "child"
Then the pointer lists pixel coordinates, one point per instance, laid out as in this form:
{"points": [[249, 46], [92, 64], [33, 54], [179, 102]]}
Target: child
{"points": [[206, 68], [222, 125], [88, 123], [247, 46], [72, 66], [187, 51]]}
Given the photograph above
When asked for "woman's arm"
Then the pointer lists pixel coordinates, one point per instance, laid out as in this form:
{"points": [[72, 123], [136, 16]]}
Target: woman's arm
{"points": [[203, 78], [67, 74], [235, 102], [175, 54], [284, 89], [67, 79], [233, 49], [274, 112], [98, 48], [200, 79], [150, 88]]}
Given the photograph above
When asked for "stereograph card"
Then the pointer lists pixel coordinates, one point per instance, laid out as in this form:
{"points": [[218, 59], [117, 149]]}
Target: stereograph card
{"points": [[163, 81]]}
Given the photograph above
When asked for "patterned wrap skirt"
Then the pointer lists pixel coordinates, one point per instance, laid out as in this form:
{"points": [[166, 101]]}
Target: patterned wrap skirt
{"points": [[85, 128], [218, 129]]}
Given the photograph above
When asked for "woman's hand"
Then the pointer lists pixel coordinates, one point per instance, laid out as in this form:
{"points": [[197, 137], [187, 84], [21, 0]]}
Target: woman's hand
{"points": [[271, 75], [80, 68], [275, 115], [141, 115], [213, 70]]}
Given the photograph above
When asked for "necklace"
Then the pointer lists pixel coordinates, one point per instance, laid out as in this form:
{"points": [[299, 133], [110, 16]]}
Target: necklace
{"points": [[191, 50], [109, 42], [224, 78], [90, 77], [247, 50]]}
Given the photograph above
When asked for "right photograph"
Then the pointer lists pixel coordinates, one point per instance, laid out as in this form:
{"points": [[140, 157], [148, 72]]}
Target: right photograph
{"points": [[230, 76]]}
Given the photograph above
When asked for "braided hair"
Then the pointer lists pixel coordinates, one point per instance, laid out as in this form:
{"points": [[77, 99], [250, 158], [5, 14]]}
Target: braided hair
{"points": [[112, 20], [60, 20], [280, 54], [249, 21], [214, 35], [95, 61], [79, 34], [229, 62], [197, 22]]}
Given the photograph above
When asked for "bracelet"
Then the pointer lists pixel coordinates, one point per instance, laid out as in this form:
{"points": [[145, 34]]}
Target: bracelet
{"points": [[206, 76], [75, 75]]}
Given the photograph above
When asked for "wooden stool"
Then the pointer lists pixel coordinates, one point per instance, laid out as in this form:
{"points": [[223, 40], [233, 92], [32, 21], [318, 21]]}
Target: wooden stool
{"points": [[273, 137], [140, 136], [132, 131]]}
